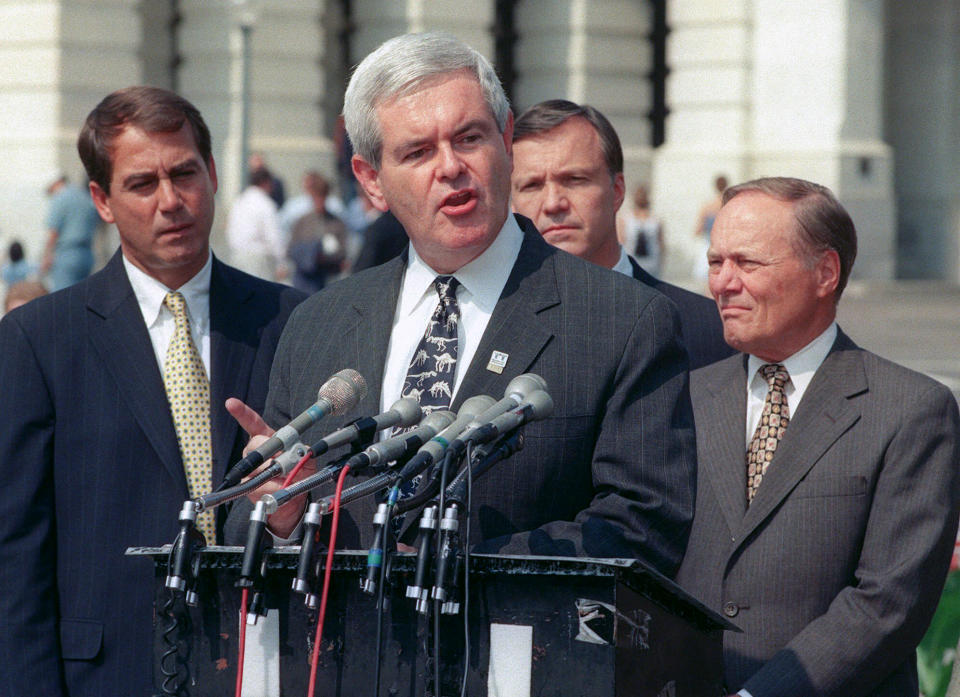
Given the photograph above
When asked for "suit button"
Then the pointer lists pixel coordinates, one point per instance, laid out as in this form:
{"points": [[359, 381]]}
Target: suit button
{"points": [[730, 609]]}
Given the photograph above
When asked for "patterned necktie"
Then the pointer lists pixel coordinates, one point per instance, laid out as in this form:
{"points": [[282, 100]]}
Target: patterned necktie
{"points": [[430, 378], [770, 430], [188, 391]]}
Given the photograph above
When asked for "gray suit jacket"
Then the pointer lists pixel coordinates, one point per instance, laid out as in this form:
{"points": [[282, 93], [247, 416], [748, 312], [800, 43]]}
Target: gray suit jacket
{"points": [[835, 569], [611, 473]]}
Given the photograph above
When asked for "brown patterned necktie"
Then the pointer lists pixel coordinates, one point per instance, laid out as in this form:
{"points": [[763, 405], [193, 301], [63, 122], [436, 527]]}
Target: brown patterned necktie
{"points": [[770, 430], [188, 391]]}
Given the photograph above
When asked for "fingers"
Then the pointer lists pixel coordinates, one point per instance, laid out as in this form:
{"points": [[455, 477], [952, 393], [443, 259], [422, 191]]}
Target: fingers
{"points": [[249, 420]]}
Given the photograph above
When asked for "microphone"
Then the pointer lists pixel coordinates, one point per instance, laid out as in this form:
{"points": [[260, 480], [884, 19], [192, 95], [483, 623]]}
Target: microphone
{"points": [[390, 449], [338, 395], [517, 390], [538, 405], [404, 443], [433, 449], [402, 413]]}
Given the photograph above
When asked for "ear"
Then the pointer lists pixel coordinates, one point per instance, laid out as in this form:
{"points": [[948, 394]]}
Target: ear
{"points": [[619, 190], [508, 136], [828, 273], [102, 202], [369, 179], [212, 169]]}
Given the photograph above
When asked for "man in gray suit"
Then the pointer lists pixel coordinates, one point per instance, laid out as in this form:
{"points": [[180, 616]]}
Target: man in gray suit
{"points": [[828, 543], [611, 472]]}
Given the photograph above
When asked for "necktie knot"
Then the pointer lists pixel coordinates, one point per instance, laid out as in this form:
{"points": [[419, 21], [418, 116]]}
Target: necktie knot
{"points": [[775, 375], [177, 305], [446, 287]]}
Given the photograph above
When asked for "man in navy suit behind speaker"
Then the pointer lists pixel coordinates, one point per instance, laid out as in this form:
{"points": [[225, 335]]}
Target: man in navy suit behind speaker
{"points": [[568, 179], [96, 452]]}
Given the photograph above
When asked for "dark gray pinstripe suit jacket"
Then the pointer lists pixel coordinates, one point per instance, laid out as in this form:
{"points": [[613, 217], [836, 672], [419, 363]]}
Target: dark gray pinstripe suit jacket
{"points": [[834, 571], [89, 465], [699, 317], [610, 474]]}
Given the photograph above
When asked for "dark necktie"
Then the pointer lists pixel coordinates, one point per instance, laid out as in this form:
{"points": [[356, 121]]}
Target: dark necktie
{"points": [[770, 430], [430, 378]]}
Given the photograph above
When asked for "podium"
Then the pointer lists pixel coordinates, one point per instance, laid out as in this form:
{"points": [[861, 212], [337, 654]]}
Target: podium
{"points": [[576, 626]]}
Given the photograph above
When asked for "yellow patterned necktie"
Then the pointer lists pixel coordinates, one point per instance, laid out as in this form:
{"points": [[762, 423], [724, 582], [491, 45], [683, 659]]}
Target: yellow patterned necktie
{"points": [[188, 391], [770, 430]]}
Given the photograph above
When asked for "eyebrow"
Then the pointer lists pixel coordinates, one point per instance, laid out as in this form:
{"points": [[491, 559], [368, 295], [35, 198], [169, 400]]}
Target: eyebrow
{"points": [[136, 177], [414, 143]]}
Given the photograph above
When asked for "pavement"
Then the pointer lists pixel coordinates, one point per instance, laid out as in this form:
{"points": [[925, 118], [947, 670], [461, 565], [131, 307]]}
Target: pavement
{"points": [[914, 323]]}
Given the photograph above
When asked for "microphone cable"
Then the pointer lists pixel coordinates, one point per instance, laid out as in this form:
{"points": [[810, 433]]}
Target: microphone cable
{"points": [[466, 573], [334, 522], [296, 468], [241, 641], [392, 497]]}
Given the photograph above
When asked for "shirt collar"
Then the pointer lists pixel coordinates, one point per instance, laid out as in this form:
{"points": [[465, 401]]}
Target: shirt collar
{"points": [[150, 292], [802, 365], [623, 264], [483, 278]]}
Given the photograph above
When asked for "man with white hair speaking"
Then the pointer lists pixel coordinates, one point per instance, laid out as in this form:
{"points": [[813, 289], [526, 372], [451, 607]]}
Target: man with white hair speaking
{"points": [[611, 473]]}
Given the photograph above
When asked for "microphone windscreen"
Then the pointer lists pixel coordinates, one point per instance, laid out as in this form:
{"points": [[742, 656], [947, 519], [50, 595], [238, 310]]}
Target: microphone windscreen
{"points": [[343, 390], [409, 411]]}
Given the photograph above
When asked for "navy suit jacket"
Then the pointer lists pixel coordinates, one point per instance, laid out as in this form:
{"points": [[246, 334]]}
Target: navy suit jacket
{"points": [[699, 318], [91, 466], [611, 473]]}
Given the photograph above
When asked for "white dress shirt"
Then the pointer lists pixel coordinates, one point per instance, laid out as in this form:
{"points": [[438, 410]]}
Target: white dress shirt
{"points": [[801, 366], [481, 283], [150, 294], [623, 264]]}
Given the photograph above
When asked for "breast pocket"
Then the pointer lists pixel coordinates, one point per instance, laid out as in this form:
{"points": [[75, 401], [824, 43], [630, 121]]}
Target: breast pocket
{"points": [[837, 485]]}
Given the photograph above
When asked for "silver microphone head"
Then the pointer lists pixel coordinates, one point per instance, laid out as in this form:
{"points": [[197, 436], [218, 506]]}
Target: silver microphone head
{"points": [[475, 405], [438, 420], [409, 411], [343, 391], [524, 385], [541, 403]]}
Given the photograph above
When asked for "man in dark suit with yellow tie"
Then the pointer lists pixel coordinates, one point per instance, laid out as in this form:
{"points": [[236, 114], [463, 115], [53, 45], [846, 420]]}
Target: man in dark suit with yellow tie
{"points": [[114, 393], [828, 483]]}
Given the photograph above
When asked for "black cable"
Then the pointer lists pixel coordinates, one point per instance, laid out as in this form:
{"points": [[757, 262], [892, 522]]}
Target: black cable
{"points": [[391, 502], [466, 572], [173, 682]]}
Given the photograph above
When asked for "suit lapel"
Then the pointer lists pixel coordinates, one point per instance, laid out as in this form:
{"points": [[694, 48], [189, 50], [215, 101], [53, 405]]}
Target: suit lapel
{"points": [[824, 415], [722, 450], [121, 339], [233, 343], [367, 330], [514, 327]]}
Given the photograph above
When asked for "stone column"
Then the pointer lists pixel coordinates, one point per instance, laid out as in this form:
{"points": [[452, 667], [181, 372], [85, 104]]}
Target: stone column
{"points": [[57, 63], [594, 53]]}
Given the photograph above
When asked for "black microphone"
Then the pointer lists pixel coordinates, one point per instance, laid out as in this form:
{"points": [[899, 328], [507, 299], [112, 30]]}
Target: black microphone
{"points": [[338, 395], [402, 444], [402, 413], [436, 446], [538, 405], [517, 391], [385, 451], [418, 590]]}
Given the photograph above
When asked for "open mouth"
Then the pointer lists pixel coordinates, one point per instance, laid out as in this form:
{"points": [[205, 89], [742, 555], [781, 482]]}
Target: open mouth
{"points": [[459, 202]]}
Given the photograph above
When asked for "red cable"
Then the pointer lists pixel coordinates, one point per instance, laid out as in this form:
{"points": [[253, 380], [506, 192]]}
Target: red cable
{"points": [[242, 638], [315, 658], [296, 469]]}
